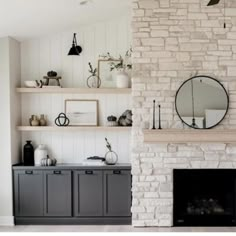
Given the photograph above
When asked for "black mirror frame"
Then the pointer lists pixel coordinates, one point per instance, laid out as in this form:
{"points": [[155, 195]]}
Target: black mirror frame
{"points": [[194, 77]]}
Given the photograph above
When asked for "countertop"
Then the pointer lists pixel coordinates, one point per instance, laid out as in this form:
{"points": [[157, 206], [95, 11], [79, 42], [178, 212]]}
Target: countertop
{"points": [[73, 166]]}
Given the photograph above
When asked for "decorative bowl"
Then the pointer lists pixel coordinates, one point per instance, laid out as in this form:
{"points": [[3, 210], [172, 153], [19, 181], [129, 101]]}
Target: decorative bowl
{"points": [[30, 84]]}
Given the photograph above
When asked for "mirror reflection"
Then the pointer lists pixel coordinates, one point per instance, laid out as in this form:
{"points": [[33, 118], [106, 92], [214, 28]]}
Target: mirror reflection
{"points": [[202, 102]]}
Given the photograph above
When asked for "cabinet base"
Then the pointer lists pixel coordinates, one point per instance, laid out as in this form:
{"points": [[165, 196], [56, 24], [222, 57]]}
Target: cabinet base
{"points": [[72, 221]]}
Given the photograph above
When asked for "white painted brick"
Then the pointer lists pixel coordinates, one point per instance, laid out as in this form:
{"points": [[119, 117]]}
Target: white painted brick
{"points": [[159, 33], [137, 209], [153, 42], [172, 40], [166, 187], [148, 4], [226, 165]]}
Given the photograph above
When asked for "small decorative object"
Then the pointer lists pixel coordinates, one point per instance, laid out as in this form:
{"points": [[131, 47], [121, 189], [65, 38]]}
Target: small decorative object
{"points": [[52, 74], [82, 112], [39, 83], [62, 120], [96, 158], [94, 161], [93, 80], [28, 154], [42, 120], [111, 118], [126, 118], [47, 161], [159, 107], [154, 115], [39, 154], [30, 84], [34, 121], [75, 49], [112, 121], [57, 78], [111, 157]]}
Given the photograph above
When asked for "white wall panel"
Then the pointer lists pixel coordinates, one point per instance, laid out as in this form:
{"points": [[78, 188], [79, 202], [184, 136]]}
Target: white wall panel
{"points": [[38, 56]]}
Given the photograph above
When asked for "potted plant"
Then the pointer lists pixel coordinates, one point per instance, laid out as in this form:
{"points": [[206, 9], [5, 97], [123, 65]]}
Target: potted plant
{"points": [[122, 68], [122, 76]]}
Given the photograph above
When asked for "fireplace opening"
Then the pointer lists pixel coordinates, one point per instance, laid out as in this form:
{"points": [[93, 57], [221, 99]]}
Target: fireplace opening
{"points": [[204, 197]]}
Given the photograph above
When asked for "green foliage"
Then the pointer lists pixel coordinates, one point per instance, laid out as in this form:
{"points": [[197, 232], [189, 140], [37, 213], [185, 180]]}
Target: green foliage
{"points": [[91, 70]]}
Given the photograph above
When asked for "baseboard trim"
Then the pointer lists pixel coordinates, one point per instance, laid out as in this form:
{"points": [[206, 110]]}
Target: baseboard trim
{"points": [[72, 221], [7, 221]]}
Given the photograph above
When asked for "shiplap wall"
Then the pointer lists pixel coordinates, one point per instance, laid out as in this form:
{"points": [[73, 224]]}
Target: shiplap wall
{"points": [[50, 53]]}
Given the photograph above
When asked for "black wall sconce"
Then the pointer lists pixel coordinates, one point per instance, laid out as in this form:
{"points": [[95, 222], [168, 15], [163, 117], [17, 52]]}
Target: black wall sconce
{"points": [[75, 49]]}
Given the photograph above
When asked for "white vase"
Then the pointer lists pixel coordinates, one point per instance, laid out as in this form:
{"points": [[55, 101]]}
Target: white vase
{"points": [[39, 154], [122, 80], [111, 158]]}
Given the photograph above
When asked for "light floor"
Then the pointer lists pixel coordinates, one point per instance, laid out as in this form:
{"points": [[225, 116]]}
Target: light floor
{"points": [[110, 228]]}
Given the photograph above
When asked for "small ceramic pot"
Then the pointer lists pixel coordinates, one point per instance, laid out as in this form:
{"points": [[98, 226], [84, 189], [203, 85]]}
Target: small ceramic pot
{"points": [[34, 121], [42, 121], [122, 80]]}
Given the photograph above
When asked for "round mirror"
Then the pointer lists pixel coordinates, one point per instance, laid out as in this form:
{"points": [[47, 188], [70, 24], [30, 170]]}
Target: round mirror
{"points": [[201, 102]]}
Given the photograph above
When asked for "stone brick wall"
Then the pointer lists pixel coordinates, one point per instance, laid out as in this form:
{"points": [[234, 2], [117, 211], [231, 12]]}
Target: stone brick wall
{"points": [[172, 41]]}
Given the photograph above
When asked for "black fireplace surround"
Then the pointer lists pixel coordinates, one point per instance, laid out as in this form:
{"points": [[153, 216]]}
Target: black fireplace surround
{"points": [[204, 197]]}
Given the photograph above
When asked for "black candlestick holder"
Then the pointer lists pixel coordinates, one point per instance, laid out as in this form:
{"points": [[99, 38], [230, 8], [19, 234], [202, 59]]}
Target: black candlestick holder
{"points": [[154, 115], [159, 107]]}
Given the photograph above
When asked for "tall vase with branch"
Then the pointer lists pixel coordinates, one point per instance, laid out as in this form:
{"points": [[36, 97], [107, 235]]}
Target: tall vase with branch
{"points": [[111, 157], [123, 69]]}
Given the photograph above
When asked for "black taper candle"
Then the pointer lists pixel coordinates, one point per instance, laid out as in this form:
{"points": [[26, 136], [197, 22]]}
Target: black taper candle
{"points": [[159, 106], [154, 111]]}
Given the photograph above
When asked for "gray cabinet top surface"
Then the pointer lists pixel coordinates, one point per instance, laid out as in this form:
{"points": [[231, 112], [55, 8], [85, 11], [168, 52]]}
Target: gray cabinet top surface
{"points": [[73, 167]]}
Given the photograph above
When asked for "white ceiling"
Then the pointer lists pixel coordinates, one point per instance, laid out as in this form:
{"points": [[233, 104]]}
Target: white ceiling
{"points": [[23, 19]]}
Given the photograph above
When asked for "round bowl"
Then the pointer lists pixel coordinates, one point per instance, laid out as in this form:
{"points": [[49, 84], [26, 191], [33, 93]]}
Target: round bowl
{"points": [[30, 84]]}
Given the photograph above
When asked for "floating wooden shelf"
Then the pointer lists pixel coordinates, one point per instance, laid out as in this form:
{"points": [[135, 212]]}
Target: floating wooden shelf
{"points": [[190, 136], [76, 90], [72, 128]]}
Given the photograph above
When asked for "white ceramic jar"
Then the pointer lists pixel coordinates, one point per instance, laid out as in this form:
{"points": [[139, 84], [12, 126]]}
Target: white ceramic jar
{"points": [[122, 80], [39, 154]]}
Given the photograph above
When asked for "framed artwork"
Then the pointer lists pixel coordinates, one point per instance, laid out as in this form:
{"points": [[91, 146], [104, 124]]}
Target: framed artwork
{"points": [[82, 112], [105, 74]]}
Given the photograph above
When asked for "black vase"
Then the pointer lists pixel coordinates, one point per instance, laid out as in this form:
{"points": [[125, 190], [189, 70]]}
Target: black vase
{"points": [[28, 154]]}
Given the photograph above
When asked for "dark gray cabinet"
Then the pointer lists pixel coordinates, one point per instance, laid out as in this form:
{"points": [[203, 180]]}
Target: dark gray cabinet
{"points": [[28, 193], [72, 195], [57, 194], [88, 193], [117, 193]]}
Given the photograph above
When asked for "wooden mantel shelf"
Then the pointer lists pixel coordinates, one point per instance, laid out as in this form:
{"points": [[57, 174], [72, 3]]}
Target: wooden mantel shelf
{"points": [[190, 136]]}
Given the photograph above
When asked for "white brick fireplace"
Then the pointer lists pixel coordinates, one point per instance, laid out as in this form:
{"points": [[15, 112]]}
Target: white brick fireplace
{"points": [[172, 41]]}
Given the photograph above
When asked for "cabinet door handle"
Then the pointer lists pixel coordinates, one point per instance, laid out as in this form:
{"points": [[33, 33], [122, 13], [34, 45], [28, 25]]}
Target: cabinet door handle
{"points": [[116, 172], [56, 172], [88, 172], [29, 172]]}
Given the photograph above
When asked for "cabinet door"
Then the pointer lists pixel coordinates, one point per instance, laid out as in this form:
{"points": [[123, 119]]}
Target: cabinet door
{"points": [[88, 193], [57, 193], [117, 188], [28, 193]]}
